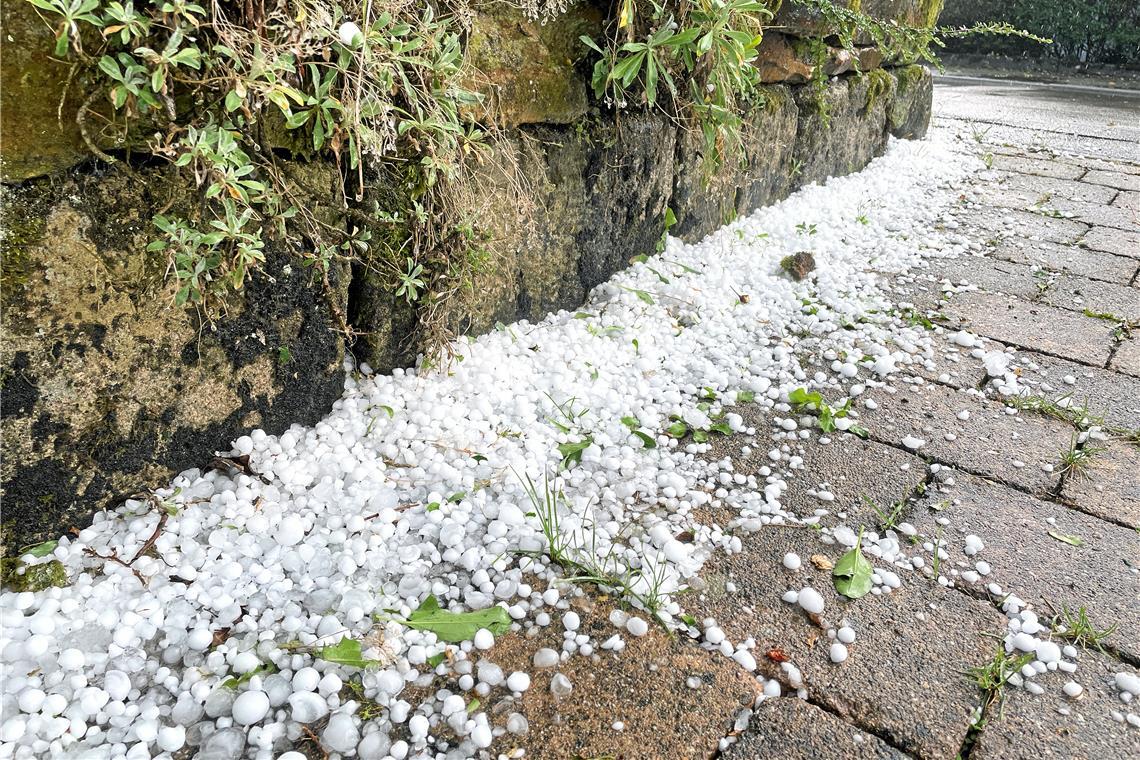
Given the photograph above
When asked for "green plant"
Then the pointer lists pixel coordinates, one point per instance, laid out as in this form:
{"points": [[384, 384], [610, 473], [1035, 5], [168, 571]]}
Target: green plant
{"points": [[218, 90], [1075, 627], [993, 676], [852, 573], [802, 400], [889, 517], [1075, 460]]}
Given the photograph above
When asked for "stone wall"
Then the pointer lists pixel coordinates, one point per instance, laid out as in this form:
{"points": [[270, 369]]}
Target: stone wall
{"points": [[109, 389]]}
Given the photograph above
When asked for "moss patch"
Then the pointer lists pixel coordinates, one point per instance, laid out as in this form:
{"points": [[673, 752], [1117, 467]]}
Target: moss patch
{"points": [[16, 576]]}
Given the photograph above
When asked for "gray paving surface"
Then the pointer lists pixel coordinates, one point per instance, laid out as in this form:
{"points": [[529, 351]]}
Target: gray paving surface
{"points": [[1056, 286]]}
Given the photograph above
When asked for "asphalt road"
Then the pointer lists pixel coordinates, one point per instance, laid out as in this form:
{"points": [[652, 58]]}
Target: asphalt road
{"points": [[1078, 119]]}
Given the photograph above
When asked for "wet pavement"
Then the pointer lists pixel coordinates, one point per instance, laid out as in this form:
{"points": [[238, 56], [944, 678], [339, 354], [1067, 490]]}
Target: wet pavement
{"points": [[1075, 118]]}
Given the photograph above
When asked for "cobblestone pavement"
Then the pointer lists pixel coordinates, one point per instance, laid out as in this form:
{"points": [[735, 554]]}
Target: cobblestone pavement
{"points": [[1055, 284]]}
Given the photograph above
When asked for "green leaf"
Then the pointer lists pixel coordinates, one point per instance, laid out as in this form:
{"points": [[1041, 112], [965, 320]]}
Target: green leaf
{"points": [[572, 452], [721, 427], [1071, 540], [631, 422], [432, 507], [646, 439], [436, 659], [677, 429], [40, 550], [457, 626], [852, 573], [345, 652], [233, 101], [700, 436], [745, 397], [689, 620], [236, 682]]}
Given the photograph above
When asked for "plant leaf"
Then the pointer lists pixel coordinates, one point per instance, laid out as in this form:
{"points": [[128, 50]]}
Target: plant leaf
{"points": [[852, 573], [40, 550], [345, 652], [457, 626], [1067, 538]]}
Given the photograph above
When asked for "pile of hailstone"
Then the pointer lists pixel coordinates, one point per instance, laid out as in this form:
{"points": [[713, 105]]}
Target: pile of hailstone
{"points": [[216, 636]]}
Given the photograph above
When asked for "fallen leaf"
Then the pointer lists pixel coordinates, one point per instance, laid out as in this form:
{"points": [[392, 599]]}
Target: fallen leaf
{"points": [[457, 626], [822, 562], [777, 654]]}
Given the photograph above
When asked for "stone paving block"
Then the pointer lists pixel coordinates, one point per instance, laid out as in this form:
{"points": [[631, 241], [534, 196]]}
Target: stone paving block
{"points": [[1101, 574], [1119, 180], [793, 729], [1036, 326], [1127, 357], [1129, 199], [990, 223], [1079, 293], [1016, 449], [1095, 213], [1112, 240], [1041, 167], [903, 677], [644, 686], [1110, 488], [1032, 189], [1106, 393], [852, 471], [1034, 726], [951, 364], [1067, 258]]}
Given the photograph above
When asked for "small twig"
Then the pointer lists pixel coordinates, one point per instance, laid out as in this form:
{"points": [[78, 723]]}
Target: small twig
{"points": [[81, 121]]}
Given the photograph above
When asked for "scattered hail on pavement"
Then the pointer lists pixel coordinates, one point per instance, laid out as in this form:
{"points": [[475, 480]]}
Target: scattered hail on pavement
{"points": [[431, 512]]}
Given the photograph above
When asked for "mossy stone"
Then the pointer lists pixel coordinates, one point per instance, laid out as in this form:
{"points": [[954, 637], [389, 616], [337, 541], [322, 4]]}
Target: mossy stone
{"points": [[19, 577]]}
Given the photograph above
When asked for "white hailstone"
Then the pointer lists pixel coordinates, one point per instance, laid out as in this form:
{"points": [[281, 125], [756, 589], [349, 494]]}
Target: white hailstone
{"points": [[250, 707], [418, 727], [560, 686], [618, 618], [973, 545], [791, 597], [714, 635], [1047, 652], [618, 725], [517, 723], [117, 684], [199, 639], [838, 652], [571, 621], [518, 681], [637, 626], [772, 688], [1128, 683], [1073, 689], [792, 561], [341, 734], [484, 639], [172, 738], [744, 659], [810, 600], [913, 443], [71, 659], [350, 34], [31, 700], [290, 530], [846, 634], [964, 414], [614, 643], [306, 679], [308, 707], [545, 658], [481, 735]]}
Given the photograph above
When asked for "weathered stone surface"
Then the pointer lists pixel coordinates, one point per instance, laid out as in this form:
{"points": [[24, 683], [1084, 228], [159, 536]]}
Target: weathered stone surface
{"points": [[37, 140], [1063, 291], [1127, 357], [1111, 240], [1025, 224], [1110, 488], [1067, 258], [1051, 725], [792, 729], [1080, 294], [758, 173], [991, 441], [1119, 180], [108, 387], [806, 22], [929, 636], [860, 475], [1036, 326], [1033, 189], [1026, 560], [1129, 199], [844, 133], [644, 687], [1041, 167], [778, 61], [908, 115], [527, 70], [1105, 393]]}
